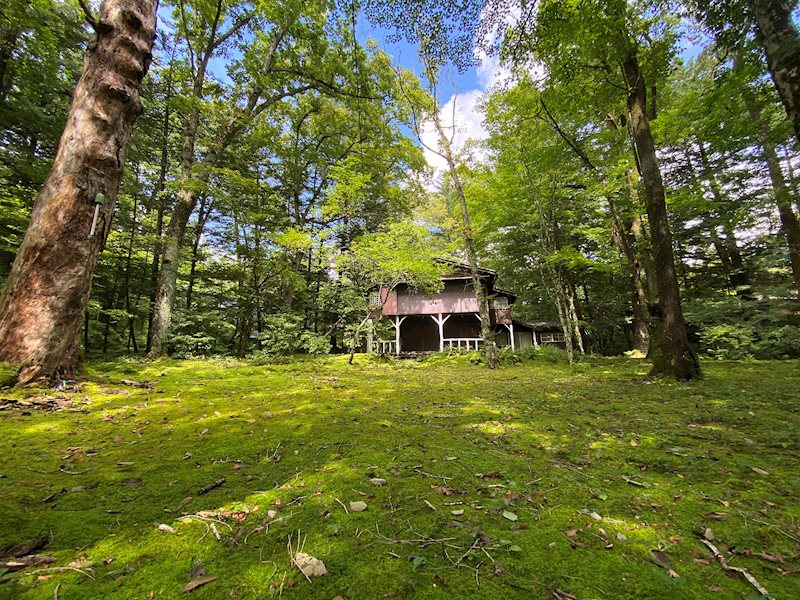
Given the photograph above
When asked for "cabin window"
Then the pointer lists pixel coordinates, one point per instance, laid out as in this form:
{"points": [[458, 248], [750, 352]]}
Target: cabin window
{"points": [[500, 302], [552, 338], [375, 299]]}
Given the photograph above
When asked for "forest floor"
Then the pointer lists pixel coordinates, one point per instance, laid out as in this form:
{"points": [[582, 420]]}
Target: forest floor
{"points": [[533, 481]]}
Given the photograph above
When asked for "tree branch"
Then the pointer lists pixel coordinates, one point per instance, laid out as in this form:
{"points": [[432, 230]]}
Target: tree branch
{"points": [[232, 31], [90, 18]]}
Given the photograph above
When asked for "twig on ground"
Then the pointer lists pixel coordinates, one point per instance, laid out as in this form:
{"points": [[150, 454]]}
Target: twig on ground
{"points": [[62, 569], [347, 512], [421, 472], [292, 554], [744, 572]]}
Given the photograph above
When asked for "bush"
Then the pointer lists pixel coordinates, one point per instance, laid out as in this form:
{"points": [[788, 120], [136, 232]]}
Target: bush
{"points": [[314, 343], [545, 353], [282, 333], [783, 342], [728, 342]]}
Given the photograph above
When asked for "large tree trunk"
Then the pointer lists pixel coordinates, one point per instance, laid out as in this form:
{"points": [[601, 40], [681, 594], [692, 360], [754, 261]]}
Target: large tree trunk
{"points": [[673, 356], [489, 346], [48, 288], [781, 42]]}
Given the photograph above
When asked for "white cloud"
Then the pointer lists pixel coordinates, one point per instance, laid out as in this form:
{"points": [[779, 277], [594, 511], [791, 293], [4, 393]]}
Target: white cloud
{"points": [[461, 114], [462, 121]]}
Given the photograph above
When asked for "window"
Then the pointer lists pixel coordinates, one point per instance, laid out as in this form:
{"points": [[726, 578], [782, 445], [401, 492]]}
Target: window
{"points": [[500, 302], [375, 299], [551, 338]]}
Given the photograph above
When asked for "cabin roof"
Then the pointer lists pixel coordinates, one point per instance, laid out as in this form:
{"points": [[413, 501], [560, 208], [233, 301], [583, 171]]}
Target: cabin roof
{"points": [[464, 267], [540, 325], [503, 292]]}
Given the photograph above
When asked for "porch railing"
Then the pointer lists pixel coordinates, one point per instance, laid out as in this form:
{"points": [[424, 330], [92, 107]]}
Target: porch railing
{"points": [[384, 346], [463, 343]]}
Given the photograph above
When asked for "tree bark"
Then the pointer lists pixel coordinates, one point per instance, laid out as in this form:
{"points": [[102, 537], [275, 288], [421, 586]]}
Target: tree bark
{"points": [[782, 193], [673, 355], [157, 199], [489, 346], [48, 288], [779, 36]]}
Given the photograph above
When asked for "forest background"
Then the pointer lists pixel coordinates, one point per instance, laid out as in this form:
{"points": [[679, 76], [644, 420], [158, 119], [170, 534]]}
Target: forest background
{"points": [[280, 170]]}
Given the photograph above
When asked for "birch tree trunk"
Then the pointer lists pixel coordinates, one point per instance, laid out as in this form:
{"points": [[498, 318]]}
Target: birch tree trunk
{"points": [[489, 346], [779, 36], [673, 355], [43, 303]]}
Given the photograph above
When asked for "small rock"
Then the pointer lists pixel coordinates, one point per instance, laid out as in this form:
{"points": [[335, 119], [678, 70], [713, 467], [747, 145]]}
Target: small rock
{"points": [[310, 566]]}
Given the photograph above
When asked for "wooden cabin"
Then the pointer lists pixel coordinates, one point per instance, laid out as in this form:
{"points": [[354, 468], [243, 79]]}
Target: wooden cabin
{"points": [[451, 319]]}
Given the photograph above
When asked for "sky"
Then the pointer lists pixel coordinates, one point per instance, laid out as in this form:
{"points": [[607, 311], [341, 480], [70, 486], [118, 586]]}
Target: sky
{"points": [[461, 92]]}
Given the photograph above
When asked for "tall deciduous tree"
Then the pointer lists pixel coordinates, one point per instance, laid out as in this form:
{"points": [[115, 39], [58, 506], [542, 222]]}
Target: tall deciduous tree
{"points": [[581, 42], [45, 297], [777, 33]]}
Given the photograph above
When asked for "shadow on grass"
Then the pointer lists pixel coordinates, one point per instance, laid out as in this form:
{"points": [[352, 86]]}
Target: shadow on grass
{"points": [[652, 459]]}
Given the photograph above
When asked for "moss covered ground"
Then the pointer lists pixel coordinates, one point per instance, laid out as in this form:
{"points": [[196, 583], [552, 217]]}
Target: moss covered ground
{"points": [[535, 480]]}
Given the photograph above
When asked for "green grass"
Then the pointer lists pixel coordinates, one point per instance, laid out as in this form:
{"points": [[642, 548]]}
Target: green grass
{"points": [[547, 442]]}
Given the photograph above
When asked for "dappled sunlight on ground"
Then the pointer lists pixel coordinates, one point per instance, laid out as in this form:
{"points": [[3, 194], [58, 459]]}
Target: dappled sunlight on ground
{"points": [[477, 483]]}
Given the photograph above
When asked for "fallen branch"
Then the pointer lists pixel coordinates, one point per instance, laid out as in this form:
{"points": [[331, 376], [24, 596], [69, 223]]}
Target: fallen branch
{"points": [[744, 572], [23, 562], [211, 486]]}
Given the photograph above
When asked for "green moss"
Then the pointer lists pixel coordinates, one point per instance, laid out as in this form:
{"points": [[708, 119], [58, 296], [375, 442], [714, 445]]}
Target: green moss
{"points": [[655, 459], [7, 374]]}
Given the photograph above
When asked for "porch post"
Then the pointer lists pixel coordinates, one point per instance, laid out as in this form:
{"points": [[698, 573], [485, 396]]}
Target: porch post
{"points": [[440, 321], [511, 333], [397, 323], [535, 341]]}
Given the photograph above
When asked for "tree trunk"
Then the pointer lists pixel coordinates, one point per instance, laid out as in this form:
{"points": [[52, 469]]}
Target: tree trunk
{"points": [[480, 296], [157, 200], [202, 217], [778, 34], [127, 280], [789, 221], [726, 247], [189, 180], [49, 284], [623, 238], [673, 356]]}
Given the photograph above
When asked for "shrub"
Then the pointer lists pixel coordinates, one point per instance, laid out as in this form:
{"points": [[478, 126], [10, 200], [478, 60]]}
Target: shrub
{"points": [[728, 341]]}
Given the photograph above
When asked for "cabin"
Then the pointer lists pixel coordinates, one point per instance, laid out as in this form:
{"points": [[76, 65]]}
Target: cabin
{"points": [[450, 319]]}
